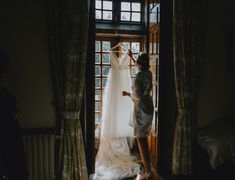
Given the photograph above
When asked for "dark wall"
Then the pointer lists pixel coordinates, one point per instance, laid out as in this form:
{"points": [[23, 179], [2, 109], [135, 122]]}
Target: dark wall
{"points": [[23, 35], [216, 95]]}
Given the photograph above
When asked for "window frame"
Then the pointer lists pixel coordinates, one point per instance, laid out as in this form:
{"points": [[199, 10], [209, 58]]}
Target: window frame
{"points": [[116, 12]]}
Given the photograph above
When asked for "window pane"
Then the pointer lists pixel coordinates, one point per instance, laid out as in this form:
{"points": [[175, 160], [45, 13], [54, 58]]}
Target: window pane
{"points": [[104, 82], [107, 15], [150, 47], [105, 70], [125, 6], [154, 47], [98, 4], [97, 14], [135, 6], [97, 95], [105, 46], [107, 5], [133, 70], [97, 71], [97, 118], [106, 58], [158, 15], [97, 58], [97, 106], [135, 17], [97, 82], [97, 46], [126, 46], [125, 16], [135, 47]]}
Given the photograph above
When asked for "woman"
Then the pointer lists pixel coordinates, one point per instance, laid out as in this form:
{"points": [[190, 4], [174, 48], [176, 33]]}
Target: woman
{"points": [[143, 108]]}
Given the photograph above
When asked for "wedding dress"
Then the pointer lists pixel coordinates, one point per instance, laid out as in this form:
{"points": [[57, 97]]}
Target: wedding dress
{"points": [[113, 160]]}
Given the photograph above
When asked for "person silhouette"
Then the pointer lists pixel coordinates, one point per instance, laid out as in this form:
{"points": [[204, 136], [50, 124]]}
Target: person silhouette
{"points": [[12, 156]]}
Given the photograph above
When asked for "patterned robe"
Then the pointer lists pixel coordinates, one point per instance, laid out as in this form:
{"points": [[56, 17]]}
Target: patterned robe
{"points": [[143, 104]]}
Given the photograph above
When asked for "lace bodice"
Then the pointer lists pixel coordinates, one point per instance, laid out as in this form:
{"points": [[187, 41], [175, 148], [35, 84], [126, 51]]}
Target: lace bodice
{"points": [[119, 63]]}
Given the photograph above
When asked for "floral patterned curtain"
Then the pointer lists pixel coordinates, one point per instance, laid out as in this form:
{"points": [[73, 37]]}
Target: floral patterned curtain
{"points": [[187, 51], [68, 31]]}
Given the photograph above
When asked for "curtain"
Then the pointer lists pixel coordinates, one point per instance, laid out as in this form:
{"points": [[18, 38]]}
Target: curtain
{"points": [[68, 22], [188, 43]]}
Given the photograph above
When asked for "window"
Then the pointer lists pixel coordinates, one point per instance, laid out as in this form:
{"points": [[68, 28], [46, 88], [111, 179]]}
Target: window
{"points": [[118, 11], [102, 67], [154, 51], [104, 10], [130, 11], [154, 15]]}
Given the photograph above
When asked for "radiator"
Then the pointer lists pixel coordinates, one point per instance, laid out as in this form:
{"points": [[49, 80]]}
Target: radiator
{"points": [[40, 156]]}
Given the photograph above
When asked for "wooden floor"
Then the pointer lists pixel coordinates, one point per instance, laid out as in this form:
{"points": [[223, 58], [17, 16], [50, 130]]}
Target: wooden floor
{"points": [[156, 176]]}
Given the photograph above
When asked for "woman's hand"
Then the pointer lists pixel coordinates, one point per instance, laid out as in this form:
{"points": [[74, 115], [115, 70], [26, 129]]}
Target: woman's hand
{"points": [[125, 93], [129, 53]]}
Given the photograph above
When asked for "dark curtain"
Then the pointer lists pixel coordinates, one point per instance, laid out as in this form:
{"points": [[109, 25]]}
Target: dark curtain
{"points": [[89, 109], [188, 43], [68, 31]]}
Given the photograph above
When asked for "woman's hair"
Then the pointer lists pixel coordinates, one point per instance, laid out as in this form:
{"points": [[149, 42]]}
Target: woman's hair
{"points": [[143, 60]]}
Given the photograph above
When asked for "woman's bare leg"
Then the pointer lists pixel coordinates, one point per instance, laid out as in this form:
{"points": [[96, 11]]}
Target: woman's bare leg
{"points": [[144, 152]]}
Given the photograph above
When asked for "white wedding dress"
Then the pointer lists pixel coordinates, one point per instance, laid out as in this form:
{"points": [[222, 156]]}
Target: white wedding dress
{"points": [[113, 160]]}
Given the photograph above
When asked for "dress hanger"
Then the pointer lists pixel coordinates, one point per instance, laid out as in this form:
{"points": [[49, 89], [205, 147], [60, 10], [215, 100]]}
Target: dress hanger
{"points": [[127, 50]]}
